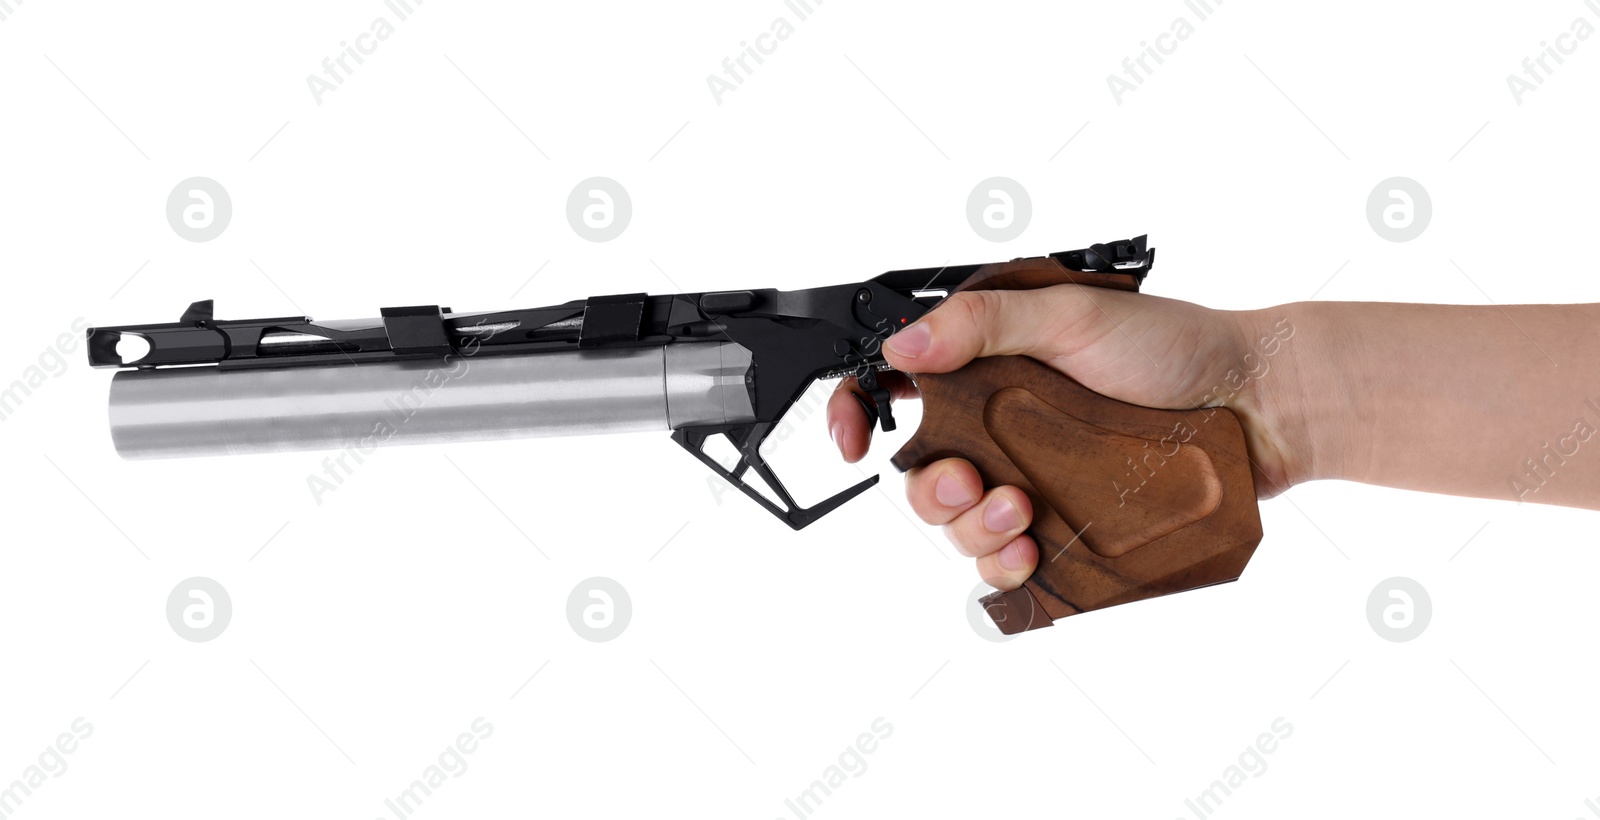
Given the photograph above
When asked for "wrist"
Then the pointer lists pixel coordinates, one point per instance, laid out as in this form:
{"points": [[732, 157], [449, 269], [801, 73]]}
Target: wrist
{"points": [[1303, 356]]}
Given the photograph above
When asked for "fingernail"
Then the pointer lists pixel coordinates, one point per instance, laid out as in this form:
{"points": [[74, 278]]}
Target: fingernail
{"points": [[1001, 515], [833, 430], [951, 492], [911, 342], [1011, 557]]}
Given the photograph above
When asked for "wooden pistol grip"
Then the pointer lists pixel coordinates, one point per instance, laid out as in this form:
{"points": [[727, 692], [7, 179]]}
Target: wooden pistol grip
{"points": [[1129, 502]]}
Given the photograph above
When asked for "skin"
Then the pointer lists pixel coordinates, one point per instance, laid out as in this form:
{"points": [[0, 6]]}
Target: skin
{"points": [[1481, 401]]}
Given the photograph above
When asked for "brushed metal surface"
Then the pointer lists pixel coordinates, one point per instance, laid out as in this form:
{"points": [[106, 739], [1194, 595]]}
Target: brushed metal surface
{"points": [[199, 411]]}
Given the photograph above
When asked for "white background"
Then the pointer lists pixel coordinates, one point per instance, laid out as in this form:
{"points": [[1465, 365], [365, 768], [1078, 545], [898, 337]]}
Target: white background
{"points": [[368, 631]]}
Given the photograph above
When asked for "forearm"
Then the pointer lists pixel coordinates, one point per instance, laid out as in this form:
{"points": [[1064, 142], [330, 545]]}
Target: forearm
{"points": [[1478, 401]]}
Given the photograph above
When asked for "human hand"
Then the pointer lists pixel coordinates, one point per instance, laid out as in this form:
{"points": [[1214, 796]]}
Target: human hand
{"points": [[1140, 349]]}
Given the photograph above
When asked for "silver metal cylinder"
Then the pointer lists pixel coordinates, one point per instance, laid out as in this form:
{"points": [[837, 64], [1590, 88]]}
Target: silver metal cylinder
{"points": [[198, 411]]}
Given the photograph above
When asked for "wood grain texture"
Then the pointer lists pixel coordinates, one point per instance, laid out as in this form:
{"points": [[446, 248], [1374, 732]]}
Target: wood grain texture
{"points": [[1129, 502]]}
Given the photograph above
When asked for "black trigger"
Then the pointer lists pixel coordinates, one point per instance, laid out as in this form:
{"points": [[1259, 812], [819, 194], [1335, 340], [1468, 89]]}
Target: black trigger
{"points": [[868, 405], [876, 403], [885, 413]]}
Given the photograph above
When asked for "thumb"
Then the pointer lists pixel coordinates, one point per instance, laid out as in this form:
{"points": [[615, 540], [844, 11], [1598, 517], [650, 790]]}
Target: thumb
{"points": [[988, 323]]}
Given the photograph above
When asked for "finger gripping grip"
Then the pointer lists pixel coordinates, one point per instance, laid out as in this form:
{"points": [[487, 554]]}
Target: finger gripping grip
{"points": [[1129, 502]]}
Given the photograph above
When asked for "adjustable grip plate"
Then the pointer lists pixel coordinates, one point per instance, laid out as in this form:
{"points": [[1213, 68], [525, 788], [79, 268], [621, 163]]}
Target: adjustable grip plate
{"points": [[1129, 502]]}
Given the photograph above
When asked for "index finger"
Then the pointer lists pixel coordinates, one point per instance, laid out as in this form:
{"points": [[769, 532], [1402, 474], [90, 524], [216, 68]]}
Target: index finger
{"points": [[847, 420]]}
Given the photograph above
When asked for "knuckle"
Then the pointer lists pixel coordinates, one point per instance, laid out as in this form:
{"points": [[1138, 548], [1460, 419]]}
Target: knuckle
{"points": [[975, 308], [957, 539], [979, 315], [919, 494], [915, 477], [994, 576]]}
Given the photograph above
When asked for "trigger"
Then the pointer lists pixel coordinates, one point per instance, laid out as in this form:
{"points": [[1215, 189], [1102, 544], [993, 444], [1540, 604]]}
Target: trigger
{"points": [[876, 403], [875, 400]]}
